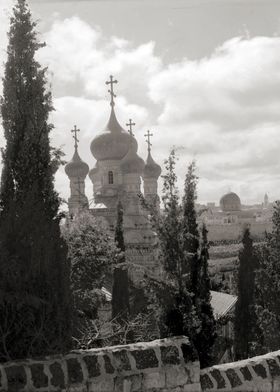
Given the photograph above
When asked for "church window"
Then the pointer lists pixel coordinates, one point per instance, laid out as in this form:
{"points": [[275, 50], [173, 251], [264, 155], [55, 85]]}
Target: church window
{"points": [[110, 177]]}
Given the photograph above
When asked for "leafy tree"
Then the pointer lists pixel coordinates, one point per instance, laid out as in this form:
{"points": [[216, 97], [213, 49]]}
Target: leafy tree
{"points": [[35, 300], [120, 292], [245, 317], [268, 289], [92, 253]]}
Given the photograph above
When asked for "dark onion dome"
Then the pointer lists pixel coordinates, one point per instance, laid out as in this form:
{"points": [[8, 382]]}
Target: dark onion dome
{"points": [[113, 143], [230, 202], [152, 169], [76, 168], [93, 172], [132, 163]]}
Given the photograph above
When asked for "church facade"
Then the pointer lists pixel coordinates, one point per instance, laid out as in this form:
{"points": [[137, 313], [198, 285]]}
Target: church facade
{"points": [[117, 178]]}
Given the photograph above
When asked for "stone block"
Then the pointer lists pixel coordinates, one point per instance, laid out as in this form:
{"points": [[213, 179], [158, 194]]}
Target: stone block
{"points": [[136, 382], [121, 360], [206, 382], [217, 375], [154, 380], [58, 379], [108, 365], [92, 365], [145, 359], [170, 355], [75, 373], [260, 370], [246, 373], [39, 378], [274, 368], [189, 353], [104, 385], [233, 378], [176, 376], [16, 377]]}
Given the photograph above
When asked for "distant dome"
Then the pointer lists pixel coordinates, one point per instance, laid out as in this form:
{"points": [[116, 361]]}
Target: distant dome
{"points": [[230, 202], [76, 167], [152, 169], [113, 143], [93, 172], [132, 163]]}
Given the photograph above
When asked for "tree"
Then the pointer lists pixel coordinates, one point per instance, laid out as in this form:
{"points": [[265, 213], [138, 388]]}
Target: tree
{"points": [[197, 268], [268, 289], [245, 317], [175, 310], [120, 291], [35, 301], [93, 254], [205, 338]]}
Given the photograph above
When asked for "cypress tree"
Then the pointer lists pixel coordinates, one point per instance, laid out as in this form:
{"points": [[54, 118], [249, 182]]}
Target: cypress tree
{"points": [[245, 318], [268, 290], [205, 338], [120, 291], [35, 306], [197, 267]]}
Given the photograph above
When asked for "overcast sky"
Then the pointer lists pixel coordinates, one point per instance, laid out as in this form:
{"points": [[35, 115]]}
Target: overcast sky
{"points": [[202, 75]]}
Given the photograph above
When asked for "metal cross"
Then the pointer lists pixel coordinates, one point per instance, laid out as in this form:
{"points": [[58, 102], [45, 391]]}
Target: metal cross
{"points": [[148, 135], [111, 91], [130, 125], [75, 131]]}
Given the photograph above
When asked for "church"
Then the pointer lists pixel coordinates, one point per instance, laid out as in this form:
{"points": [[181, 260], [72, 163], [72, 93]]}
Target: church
{"points": [[117, 178]]}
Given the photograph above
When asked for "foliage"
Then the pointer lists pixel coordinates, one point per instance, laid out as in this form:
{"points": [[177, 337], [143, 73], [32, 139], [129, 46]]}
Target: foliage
{"points": [[268, 289], [35, 301], [245, 318], [92, 253]]}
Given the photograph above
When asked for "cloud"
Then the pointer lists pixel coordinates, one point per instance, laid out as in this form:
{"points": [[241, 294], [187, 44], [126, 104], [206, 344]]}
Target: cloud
{"points": [[222, 110]]}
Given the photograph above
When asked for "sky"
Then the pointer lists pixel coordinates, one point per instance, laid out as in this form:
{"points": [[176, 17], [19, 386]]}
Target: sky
{"points": [[202, 75]]}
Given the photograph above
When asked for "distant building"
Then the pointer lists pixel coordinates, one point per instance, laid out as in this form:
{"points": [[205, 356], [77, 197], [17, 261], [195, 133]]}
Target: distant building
{"points": [[228, 222]]}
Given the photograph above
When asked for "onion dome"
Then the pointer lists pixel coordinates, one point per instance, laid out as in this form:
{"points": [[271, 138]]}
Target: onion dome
{"points": [[152, 169], [113, 143], [230, 202], [93, 172], [132, 163], [76, 167]]}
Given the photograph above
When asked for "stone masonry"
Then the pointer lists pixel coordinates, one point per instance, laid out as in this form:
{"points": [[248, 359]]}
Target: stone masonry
{"points": [[162, 365], [258, 374]]}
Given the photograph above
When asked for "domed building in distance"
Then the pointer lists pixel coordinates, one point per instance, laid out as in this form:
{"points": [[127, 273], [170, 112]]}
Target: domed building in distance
{"points": [[227, 221], [118, 176]]}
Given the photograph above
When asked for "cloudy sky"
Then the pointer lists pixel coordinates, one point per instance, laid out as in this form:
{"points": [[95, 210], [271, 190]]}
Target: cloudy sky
{"points": [[203, 76]]}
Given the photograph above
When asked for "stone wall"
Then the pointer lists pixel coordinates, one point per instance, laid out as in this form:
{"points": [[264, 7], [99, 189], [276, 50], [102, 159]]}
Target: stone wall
{"points": [[231, 232], [258, 374], [162, 365]]}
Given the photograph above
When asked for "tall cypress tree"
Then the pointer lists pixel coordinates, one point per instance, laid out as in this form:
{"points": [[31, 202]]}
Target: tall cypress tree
{"points": [[205, 338], [35, 306], [120, 291], [197, 267], [245, 317]]}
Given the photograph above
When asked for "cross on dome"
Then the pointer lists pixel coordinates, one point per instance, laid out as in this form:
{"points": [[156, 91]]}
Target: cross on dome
{"points": [[149, 135], [130, 125], [75, 131], [111, 91]]}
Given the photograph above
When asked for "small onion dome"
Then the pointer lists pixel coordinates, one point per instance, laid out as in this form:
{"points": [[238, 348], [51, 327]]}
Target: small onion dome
{"points": [[230, 202], [152, 169], [113, 143], [76, 167], [132, 163], [93, 172]]}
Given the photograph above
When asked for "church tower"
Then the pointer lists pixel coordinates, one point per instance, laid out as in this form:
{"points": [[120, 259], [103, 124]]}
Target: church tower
{"points": [[77, 171], [151, 174], [117, 177]]}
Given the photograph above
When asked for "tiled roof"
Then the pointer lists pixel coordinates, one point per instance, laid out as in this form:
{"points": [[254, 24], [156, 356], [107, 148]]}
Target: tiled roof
{"points": [[222, 303]]}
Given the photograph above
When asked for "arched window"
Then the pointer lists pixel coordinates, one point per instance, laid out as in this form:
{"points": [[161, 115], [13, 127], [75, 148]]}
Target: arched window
{"points": [[110, 177]]}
